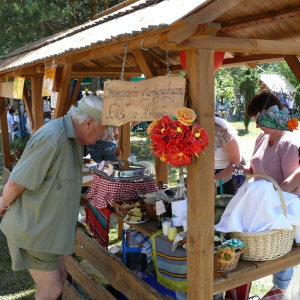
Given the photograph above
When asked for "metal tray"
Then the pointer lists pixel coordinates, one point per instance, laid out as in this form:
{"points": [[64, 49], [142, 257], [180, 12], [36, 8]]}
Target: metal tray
{"points": [[127, 179]]}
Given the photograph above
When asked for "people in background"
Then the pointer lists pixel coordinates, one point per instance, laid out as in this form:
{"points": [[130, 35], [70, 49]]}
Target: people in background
{"points": [[276, 155], [12, 123], [40, 202], [227, 152]]}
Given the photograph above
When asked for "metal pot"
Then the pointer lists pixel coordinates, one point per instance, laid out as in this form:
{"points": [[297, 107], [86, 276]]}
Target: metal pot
{"points": [[221, 202]]}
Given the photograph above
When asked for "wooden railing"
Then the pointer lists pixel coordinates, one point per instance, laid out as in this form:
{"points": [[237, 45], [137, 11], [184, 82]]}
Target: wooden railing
{"points": [[111, 267]]}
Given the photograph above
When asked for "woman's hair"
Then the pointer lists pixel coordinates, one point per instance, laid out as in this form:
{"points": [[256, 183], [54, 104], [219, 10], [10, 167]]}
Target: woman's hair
{"points": [[262, 101], [79, 117]]}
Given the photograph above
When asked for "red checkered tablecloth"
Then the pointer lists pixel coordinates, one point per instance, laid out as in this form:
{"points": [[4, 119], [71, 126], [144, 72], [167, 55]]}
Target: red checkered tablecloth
{"points": [[103, 191]]}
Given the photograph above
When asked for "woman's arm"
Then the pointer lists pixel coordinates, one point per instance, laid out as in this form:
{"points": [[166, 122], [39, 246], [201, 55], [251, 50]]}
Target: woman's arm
{"points": [[292, 182], [232, 153], [10, 193]]}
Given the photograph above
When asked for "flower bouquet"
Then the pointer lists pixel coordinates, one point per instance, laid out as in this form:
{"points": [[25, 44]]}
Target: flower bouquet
{"points": [[174, 140]]}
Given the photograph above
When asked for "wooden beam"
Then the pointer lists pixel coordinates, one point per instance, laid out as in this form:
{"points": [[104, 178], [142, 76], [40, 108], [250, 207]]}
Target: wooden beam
{"points": [[254, 58], [287, 14], [146, 65], [206, 15], [6, 89], [4, 135], [63, 91], [30, 71], [70, 293], [200, 263], [102, 71], [114, 271], [85, 280], [76, 90], [124, 141], [28, 105], [244, 45], [294, 64], [37, 103]]}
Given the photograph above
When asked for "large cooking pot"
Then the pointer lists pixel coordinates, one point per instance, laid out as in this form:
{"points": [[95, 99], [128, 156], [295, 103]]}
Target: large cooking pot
{"points": [[221, 202]]}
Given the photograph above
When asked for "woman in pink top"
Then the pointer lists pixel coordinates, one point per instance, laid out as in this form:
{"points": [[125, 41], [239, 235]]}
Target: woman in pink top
{"points": [[275, 154]]}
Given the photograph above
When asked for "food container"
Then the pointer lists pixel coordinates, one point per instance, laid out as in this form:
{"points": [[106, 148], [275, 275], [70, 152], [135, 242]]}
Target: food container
{"points": [[123, 206]]}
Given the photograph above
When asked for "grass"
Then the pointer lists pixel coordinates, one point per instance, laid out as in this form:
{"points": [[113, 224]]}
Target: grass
{"points": [[19, 285]]}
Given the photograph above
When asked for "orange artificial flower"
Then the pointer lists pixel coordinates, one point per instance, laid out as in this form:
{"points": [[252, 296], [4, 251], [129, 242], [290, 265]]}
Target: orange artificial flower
{"points": [[185, 115], [292, 124]]}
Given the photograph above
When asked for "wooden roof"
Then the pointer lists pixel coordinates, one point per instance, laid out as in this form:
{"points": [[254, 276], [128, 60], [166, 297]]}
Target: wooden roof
{"points": [[248, 31]]}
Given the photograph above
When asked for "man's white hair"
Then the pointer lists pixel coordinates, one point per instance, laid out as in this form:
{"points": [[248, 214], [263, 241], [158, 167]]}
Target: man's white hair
{"points": [[79, 117]]}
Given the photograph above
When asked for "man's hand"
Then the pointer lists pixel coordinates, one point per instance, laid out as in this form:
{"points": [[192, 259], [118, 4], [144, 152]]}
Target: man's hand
{"points": [[2, 209]]}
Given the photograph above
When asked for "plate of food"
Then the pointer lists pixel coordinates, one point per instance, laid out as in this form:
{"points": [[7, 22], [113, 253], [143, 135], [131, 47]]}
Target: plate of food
{"points": [[136, 216], [135, 222]]}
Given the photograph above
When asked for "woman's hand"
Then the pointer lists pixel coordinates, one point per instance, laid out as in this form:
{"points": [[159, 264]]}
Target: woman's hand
{"points": [[246, 171]]}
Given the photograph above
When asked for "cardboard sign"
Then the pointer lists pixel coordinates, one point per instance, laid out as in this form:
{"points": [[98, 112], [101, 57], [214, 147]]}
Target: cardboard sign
{"points": [[48, 81], [18, 87], [146, 100]]}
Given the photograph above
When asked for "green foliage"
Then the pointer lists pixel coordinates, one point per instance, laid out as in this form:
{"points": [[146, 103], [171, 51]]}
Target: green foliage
{"points": [[26, 21], [297, 97], [248, 88]]}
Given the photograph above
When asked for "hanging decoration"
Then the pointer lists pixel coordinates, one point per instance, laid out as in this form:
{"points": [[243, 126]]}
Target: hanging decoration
{"points": [[175, 140], [218, 59]]}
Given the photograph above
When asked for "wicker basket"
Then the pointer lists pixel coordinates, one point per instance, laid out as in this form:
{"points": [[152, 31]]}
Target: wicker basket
{"points": [[225, 267], [266, 245]]}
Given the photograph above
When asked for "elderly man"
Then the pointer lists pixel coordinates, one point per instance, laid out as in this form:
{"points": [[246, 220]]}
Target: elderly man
{"points": [[40, 201]]}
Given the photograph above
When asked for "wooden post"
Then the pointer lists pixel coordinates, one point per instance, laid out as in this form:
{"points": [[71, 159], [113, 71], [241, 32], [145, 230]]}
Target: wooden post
{"points": [[145, 63], [37, 103], [200, 260], [63, 91], [4, 135], [76, 90]]}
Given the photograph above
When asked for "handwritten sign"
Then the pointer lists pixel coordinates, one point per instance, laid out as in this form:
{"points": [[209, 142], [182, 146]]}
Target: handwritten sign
{"points": [[48, 81], [18, 87], [146, 100]]}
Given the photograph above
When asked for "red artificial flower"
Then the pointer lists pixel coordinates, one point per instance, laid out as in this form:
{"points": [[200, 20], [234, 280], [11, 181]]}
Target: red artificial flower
{"points": [[159, 147], [178, 146], [178, 130], [161, 130], [180, 159], [198, 139]]}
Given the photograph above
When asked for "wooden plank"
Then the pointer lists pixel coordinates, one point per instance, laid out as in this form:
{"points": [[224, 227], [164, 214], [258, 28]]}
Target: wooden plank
{"points": [[37, 103], [244, 45], [264, 269], [4, 135], [238, 60], [28, 105], [200, 185], [162, 171], [76, 90], [146, 65], [294, 64], [206, 15], [85, 280], [115, 272], [84, 71], [70, 293], [6, 89], [63, 91], [282, 15], [124, 142]]}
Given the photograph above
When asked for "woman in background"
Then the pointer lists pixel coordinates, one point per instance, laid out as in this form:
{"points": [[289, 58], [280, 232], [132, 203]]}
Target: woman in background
{"points": [[227, 153]]}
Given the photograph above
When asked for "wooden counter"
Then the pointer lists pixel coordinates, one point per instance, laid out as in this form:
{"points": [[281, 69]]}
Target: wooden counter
{"points": [[246, 271]]}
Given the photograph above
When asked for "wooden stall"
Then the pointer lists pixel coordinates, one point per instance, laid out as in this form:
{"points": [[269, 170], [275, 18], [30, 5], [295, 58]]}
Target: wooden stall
{"points": [[146, 37]]}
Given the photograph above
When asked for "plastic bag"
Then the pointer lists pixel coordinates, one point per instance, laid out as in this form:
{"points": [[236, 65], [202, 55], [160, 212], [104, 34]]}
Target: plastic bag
{"points": [[293, 290]]}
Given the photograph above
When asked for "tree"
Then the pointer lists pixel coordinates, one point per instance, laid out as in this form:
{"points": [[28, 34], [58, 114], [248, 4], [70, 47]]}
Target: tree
{"points": [[26, 21], [248, 88]]}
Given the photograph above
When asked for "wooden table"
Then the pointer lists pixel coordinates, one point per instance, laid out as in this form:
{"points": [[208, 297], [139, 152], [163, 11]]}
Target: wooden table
{"points": [[245, 272]]}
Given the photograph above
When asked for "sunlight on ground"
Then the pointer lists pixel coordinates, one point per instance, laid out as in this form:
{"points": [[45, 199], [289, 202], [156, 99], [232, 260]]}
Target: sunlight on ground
{"points": [[22, 295]]}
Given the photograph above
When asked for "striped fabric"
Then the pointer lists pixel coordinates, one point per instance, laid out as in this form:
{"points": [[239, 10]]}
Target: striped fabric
{"points": [[98, 222], [171, 266]]}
